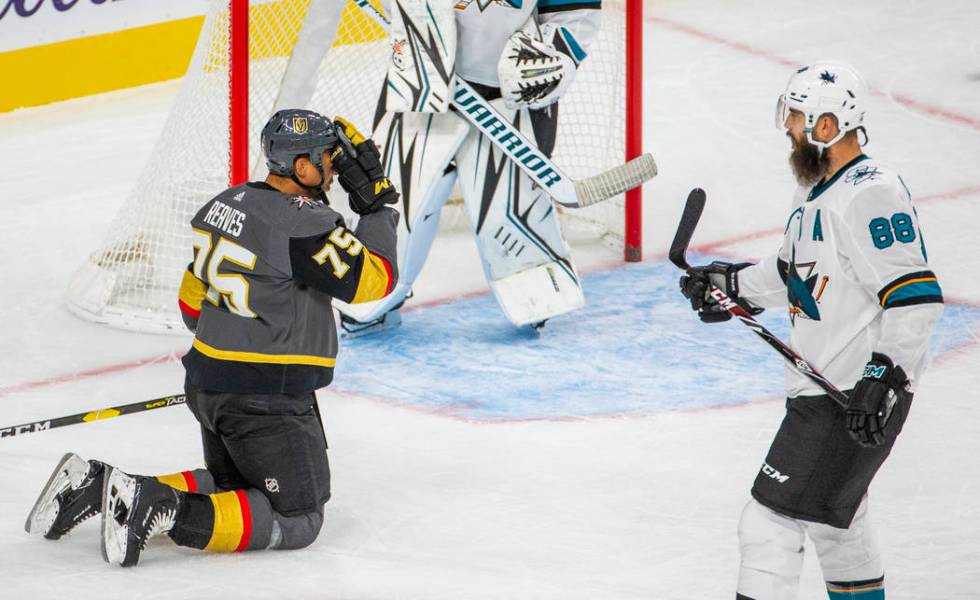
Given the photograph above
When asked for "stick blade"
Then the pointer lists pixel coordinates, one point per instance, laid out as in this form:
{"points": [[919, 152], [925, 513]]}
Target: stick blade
{"points": [[685, 229], [615, 181]]}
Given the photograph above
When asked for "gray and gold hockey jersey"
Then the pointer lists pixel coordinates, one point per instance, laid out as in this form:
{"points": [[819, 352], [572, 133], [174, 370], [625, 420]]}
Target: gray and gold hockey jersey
{"points": [[258, 292]]}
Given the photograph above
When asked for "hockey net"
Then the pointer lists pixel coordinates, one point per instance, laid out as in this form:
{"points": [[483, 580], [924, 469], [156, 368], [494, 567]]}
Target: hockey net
{"points": [[132, 280]]}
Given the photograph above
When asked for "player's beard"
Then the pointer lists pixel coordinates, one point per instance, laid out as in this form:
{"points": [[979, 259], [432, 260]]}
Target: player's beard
{"points": [[808, 163]]}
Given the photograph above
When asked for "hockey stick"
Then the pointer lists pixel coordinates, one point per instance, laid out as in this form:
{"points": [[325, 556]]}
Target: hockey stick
{"points": [[566, 191], [94, 415], [677, 255], [526, 155]]}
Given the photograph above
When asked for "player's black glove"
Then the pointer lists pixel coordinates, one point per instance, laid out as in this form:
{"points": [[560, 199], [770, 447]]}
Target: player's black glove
{"points": [[873, 400], [358, 165], [696, 287]]}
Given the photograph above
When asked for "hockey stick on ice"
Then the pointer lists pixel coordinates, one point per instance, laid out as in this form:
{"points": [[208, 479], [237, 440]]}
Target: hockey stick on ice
{"points": [[93, 415], [566, 191], [677, 255]]}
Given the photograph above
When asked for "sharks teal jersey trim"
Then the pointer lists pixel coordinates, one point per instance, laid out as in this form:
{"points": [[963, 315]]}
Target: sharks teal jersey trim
{"points": [[547, 6], [921, 287], [577, 52], [820, 188]]}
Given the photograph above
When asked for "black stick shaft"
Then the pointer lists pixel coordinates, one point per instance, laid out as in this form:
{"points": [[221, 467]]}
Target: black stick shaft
{"points": [[677, 255], [92, 415]]}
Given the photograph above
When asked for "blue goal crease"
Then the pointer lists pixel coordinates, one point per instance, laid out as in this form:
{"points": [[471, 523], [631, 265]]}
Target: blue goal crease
{"points": [[635, 348]]}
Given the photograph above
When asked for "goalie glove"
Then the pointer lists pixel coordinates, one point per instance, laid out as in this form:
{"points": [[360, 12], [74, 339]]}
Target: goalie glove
{"points": [[696, 287], [358, 164], [535, 72], [873, 400]]}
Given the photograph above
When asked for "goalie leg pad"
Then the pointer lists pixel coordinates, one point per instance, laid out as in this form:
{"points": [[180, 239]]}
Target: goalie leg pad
{"points": [[423, 55], [518, 234], [417, 150], [537, 294]]}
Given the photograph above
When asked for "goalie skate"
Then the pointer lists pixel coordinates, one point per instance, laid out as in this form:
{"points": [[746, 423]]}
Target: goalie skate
{"points": [[352, 328], [134, 510], [72, 494]]}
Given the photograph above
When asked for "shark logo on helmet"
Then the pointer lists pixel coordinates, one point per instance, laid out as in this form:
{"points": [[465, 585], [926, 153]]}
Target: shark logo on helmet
{"points": [[827, 78]]}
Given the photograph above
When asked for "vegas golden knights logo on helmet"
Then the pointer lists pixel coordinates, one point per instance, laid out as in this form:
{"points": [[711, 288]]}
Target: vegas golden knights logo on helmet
{"points": [[300, 125]]}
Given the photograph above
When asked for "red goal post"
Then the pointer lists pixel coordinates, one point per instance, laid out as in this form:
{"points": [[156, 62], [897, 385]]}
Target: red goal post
{"points": [[633, 64]]}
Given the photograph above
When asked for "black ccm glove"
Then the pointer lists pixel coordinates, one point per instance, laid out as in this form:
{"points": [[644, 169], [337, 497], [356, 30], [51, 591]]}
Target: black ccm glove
{"points": [[696, 287], [358, 165], [873, 399]]}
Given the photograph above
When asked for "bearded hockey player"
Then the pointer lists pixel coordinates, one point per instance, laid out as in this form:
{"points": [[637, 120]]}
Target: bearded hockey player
{"points": [[521, 55], [269, 257], [862, 303]]}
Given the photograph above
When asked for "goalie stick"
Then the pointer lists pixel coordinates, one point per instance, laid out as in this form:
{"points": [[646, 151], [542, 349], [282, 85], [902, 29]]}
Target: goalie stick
{"points": [[566, 191], [677, 255], [93, 415]]}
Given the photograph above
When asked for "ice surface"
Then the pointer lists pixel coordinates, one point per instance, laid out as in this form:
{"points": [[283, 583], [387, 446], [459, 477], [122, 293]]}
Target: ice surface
{"points": [[632, 350], [498, 488]]}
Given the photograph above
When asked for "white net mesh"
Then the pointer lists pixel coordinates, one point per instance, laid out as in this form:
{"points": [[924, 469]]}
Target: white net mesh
{"points": [[132, 281], [592, 125]]}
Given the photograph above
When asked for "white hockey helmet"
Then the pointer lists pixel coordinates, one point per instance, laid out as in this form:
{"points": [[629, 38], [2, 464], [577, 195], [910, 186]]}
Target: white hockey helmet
{"points": [[824, 87]]}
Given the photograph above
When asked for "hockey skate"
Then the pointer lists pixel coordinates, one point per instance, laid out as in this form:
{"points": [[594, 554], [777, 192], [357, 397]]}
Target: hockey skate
{"points": [[72, 494], [390, 320], [352, 328], [134, 510]]}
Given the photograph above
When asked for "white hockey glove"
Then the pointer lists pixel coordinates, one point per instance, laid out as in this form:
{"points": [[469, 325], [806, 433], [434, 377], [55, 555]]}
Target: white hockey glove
{"points": [[535, 72]]}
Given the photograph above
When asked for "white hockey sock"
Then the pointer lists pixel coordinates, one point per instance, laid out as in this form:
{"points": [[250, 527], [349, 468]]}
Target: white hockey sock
{"points": [[771, 549], [849, 558]]}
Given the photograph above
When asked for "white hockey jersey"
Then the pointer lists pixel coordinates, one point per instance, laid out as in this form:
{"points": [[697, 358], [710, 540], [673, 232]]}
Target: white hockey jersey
{"points": [[484, 26], [853, 270]]}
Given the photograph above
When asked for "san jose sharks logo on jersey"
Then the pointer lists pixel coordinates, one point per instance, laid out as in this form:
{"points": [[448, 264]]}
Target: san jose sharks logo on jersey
{"points": [[485, 4], [802, 290]]}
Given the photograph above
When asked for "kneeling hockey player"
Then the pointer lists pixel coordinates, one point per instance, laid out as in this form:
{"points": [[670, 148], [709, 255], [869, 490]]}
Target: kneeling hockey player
{"points": [[268, 258]]}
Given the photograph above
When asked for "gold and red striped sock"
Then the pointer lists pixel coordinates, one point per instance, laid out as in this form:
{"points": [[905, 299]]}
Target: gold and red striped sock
{"points": [[231, 521], [232, 528], [198, 481]]}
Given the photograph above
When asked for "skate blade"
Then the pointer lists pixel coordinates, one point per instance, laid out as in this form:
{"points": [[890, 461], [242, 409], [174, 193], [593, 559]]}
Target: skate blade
{"points": [[71, 470], [391, 320], [116, 487]]}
